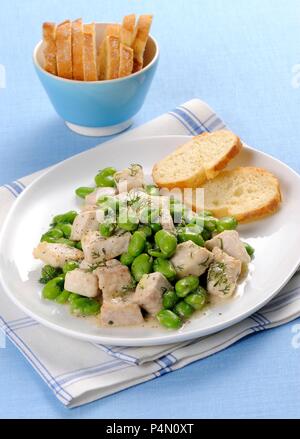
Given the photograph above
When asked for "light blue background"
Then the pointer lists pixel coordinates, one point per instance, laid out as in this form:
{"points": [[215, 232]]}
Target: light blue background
{"points": [[238, 56]]}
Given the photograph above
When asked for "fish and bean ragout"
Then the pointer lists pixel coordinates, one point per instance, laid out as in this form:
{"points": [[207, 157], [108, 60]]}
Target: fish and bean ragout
{"points": [[131, 253]]}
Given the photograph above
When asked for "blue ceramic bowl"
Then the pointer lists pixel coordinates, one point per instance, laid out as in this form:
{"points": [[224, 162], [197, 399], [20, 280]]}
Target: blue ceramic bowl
{"points": [[99, 108]]}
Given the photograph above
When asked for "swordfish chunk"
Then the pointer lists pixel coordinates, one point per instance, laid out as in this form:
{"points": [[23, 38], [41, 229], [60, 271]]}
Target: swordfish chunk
{"points": [[223, 274], [96, 248], [229, 241], [130, 178], [120, 312], [83, 222], [81, 282], [114, 279], [149, 292], [190, 259], [56, 255]]}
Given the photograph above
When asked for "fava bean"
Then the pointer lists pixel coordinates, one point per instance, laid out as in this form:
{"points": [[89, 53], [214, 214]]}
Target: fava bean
{"points": [[183, 309], [210, 223], [63, 297], [66, 229], [206, 234], [166, 242], [108, 202], [169, 319], [126, 259], [67, 217], [105, 178], [83, 306], [107, 229], [69, 266], [250, 250], [82, 191], [130, 225], [186, 285], [156, 253], [146, 230], [73, 296], [170, 299], [165, 267], [155, 227], [141, 265], [196, 300], [66, 241], [78, 245], [227, 223], [137, 243], [53, 288], [52, 235], [190, 233]]}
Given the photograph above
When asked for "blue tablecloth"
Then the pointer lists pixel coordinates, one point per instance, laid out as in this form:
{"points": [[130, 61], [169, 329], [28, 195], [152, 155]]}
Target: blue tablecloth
{"points": [[242, 57]]}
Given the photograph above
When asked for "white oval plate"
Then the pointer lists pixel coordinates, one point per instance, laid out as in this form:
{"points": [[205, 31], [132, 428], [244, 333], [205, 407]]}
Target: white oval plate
{"points": [[275, 240]]}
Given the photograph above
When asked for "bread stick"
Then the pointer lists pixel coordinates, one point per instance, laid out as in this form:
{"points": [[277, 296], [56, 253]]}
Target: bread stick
{"points": [[49, 47], [89, 52], [77, 49], [140, 41], [126, 60], [64, 49]]}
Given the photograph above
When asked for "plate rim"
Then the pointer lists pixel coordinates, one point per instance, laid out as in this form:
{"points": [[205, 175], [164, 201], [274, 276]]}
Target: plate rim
{"points": [[172, 337]]}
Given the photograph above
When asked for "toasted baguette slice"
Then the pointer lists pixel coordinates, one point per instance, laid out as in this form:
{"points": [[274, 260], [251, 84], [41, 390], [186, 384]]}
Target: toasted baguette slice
{"points": [[112, 50], [126, 60], [111, 30], [77, 49], [193, 163], [128, 30], [64, 49], [49, 47], [89, 53], [246, 193], [140, 41]]}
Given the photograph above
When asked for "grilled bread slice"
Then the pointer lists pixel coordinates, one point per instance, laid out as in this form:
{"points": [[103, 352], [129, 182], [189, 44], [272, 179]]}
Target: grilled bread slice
{"points": [[64, 49], [89, 53], [77, 49], [140, 41], [200, 159], [247, 193], [49, 47]]}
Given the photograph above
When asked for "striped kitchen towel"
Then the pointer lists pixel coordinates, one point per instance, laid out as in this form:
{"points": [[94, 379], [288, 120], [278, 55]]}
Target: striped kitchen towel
{"points": [[83, 372]]}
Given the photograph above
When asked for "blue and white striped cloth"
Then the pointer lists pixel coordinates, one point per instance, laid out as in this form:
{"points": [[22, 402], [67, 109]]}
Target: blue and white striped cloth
{"points": [[79, 372]]}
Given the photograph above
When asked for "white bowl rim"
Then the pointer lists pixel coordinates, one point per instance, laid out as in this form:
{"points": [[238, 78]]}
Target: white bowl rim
{"points": [[104, 81]]}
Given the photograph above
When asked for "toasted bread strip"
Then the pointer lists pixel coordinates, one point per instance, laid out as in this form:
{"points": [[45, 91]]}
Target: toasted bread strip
{"points": [[140, 41], [128, 30], [112, 57], [126, 60], [247, 193], [64, 49], [89, 52], [113, 30], [198, 160], [49, 47], [77, 49]]}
